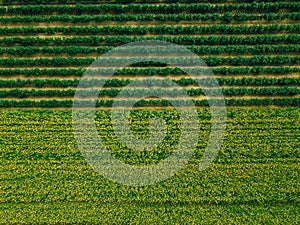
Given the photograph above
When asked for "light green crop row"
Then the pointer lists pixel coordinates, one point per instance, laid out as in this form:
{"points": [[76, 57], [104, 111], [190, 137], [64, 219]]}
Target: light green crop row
{"points": [[44, 174]]}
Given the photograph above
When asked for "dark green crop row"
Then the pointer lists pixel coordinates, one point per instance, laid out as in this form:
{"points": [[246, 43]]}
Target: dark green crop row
{"points": [[150, 71], [158, 29], [227, 17], [243, 81], [182, 39], [80, 9], [229, 102], [153, 61], [228, 49], [120, 1], [276, 91], [123, 82]]}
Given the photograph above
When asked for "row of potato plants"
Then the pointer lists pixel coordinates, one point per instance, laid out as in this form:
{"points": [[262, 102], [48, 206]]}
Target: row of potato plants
{"points": [[150, 71], [119, 1], [176, 8], [227, 17], [229, 49], [159, 29], [107, 103], [136, 92], [182, 39], [153, 61], [115, 82]]}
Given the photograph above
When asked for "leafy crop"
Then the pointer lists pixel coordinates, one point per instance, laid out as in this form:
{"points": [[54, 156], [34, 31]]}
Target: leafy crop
{"points": [[45, 178]]}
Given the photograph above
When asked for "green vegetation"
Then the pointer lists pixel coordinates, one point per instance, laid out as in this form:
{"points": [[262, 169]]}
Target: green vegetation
{"points": [[254, 180], [93, 30], [150, 8], [151, 71], [113, 92], [252, 47], [123, 82], [228, 17], [123, 39], [283, 101], [77, 50], [210, 61]]}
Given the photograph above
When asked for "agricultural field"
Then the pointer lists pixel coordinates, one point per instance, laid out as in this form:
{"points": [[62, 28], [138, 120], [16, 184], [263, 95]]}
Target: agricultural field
{"points": [[251, 47]]}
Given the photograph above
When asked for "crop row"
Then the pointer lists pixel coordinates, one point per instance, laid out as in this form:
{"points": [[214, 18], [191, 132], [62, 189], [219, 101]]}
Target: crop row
{"points": [[119, 1], [113, 92], [40, 155], [159, 29], [268, 130], [176, 8], [270, 123], [228, 49], [229, 102], [227, 17], [123, 82], [182, 39], [150, 71], [153, 61]]}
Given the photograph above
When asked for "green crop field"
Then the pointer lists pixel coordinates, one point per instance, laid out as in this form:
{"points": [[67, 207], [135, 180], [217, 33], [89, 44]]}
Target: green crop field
{"points": [[251, 47]]}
